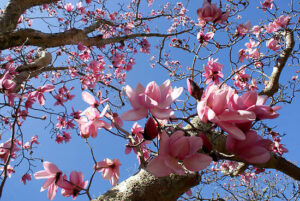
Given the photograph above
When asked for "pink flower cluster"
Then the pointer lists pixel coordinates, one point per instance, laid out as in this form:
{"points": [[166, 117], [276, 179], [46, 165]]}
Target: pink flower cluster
{"points": [[153, 98], [235, 114], [175, 148], [5, 149], [280, 22], [56, 179]]}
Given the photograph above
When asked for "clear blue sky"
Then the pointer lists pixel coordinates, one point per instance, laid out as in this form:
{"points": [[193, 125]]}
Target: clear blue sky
{"points": [[75, 155]]}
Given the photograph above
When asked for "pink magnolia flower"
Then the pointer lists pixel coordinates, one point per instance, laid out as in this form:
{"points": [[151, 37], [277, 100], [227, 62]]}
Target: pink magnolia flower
{"points": [[273, 44], [109, 169], [69, 7], [5, 148], [10, 170], [242, 55], [53, 176], [213, 71], [254, 149], [90, 124], [277, 147], [267, 4], [282, 21], [6, 82], [26, 177], [178, 148], [241, 79], [203, 38], [39, 93], [74, 186], [214, 106], [272, 27], [210, 13], [153, 98], [251, 101], [243, 29]]}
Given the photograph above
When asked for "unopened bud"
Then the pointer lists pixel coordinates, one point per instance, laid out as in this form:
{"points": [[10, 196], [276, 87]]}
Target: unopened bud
{"points": [[150, 131], [194, 90], [207, 147]]}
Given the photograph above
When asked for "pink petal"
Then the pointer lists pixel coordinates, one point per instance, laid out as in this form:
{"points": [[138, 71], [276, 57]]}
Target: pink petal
{"points": [[239, 116], [43, 174], [158, 168], [47, 183], [195, 144], [52, 191], [232, 130], [50, 167], [134, 115], [172, 163], [161, 113], [197, 162], [152, 90], [88, 98]]}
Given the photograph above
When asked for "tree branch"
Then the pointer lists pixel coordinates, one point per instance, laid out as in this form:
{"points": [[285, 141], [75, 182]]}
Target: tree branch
{"points": [[273, 84], [13, 11], [69, 37], [146, 187]]}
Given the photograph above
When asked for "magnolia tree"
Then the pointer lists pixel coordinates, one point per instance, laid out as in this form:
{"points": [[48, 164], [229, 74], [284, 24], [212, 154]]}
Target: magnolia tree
{"points": [[71, 69]]}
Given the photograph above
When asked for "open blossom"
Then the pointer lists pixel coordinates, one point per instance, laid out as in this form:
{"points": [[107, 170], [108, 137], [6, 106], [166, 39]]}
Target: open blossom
{"points": [[176, 148], [267, 4], [39, 93], [215, 107], [283, 20], [203, 38], [6, 82], [211, 13], [74, 185], [5, 148], [254, 149], [241, 79], [109, 169], [154, 98], [243, 29], [10, 170], [69, 7], [273, 44], [89, 125], [213, 71], [251, 101], [53, 176]]}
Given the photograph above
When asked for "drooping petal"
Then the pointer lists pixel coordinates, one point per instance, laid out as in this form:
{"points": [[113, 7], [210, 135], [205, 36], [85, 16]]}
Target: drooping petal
{"points": [[158, 168], [52, 191], [47, 183], [232, 130], [197, 162], [239, 116]]}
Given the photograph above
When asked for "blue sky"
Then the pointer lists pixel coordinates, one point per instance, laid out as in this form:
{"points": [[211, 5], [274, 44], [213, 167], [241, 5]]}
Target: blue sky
{"points": [[75, 155]]}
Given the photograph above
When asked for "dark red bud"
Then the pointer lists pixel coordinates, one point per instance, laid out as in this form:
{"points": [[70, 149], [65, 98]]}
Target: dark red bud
{"points": [[207, 147], [194, 90], [150, 131]]}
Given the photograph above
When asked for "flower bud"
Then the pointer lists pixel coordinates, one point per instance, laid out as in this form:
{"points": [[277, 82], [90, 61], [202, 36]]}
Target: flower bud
{"points": [[207, 147], [150, 131], [194, 90]]}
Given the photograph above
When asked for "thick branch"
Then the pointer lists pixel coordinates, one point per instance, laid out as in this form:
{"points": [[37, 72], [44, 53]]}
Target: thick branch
{"points": [[145, 187], [14, 9], [70, 37], [273, 84]]}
